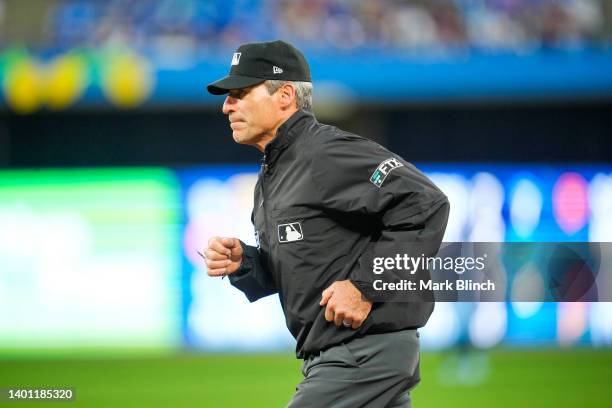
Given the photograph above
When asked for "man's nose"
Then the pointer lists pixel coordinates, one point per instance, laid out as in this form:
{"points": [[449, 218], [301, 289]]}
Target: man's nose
{"points": [[228, 104]]}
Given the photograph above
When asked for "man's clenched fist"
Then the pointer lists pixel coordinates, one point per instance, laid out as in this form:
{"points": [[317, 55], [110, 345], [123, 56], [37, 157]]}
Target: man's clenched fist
{"points": [[344, 304], [223, 256]]}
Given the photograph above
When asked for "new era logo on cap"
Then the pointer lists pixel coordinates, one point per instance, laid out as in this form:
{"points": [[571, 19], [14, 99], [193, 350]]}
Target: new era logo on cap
{"points": [[236, 58], [277, 70]]}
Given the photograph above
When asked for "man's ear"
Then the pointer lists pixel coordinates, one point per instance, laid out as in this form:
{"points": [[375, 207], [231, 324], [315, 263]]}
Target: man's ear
{"points": [[287, 96]]}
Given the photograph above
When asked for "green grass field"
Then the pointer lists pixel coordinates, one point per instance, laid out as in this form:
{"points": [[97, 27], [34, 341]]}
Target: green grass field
{"points": [[501, 378]]}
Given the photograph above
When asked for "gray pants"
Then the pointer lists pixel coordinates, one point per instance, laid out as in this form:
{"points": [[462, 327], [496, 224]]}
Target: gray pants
{"points": [[377, 370]]}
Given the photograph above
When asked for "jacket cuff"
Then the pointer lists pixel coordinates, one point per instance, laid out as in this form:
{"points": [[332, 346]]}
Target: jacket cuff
{"points": [[365, 288]]}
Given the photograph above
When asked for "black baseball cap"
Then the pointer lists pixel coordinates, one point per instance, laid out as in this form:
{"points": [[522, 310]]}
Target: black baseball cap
{"points": [[254, 63]]}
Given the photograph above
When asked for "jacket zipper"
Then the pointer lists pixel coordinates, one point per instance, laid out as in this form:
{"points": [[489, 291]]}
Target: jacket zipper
{"points": [[264, 171]]}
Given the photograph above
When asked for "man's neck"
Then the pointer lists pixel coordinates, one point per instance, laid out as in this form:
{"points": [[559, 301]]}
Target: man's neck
{"points": [[267, 138]]}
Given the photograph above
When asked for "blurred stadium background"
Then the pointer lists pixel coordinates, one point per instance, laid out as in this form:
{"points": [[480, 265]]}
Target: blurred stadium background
{"points": [[116, 166]]}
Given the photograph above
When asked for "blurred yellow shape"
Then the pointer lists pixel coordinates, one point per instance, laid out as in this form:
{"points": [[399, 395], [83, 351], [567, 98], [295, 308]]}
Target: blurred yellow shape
{"points": [[127, 80], [66, 81], [23, 85]]}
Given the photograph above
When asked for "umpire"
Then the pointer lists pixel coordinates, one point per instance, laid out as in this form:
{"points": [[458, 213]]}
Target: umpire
{"points": [[323, 196]]}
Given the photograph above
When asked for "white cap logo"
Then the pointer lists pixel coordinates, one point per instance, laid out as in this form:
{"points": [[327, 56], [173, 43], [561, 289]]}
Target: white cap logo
{"points": [[277, 70], [236, 58]]}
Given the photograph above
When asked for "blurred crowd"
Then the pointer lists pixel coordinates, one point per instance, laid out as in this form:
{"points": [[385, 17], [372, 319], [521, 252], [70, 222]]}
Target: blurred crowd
{"points": [[505, 25], [490, 25]]}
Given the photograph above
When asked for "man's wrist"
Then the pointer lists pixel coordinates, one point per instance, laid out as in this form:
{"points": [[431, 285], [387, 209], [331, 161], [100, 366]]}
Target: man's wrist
{"points": [[361, 287]]}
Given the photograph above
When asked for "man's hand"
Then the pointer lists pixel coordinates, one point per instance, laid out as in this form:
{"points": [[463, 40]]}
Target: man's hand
{"points": [[345, 304], [223, 256]]}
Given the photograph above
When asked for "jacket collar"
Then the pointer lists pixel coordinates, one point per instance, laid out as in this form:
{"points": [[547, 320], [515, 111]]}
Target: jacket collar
{"points": [[286, 135]]}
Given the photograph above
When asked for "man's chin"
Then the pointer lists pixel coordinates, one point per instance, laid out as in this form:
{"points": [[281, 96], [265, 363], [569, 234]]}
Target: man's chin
{"points": [[239, 137], [244, 137]]}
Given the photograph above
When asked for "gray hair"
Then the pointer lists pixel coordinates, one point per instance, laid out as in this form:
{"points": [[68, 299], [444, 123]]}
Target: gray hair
{"points": [[303, 92]]}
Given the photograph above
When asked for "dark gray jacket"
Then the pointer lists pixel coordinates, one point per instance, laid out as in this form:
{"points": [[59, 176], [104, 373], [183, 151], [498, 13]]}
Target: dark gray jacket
{"points": [[319, 202]]}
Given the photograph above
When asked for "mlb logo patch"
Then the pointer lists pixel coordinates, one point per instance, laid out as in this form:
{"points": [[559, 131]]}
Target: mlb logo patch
{"points": [[236, 58], [383, 170], [290, 232]]}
